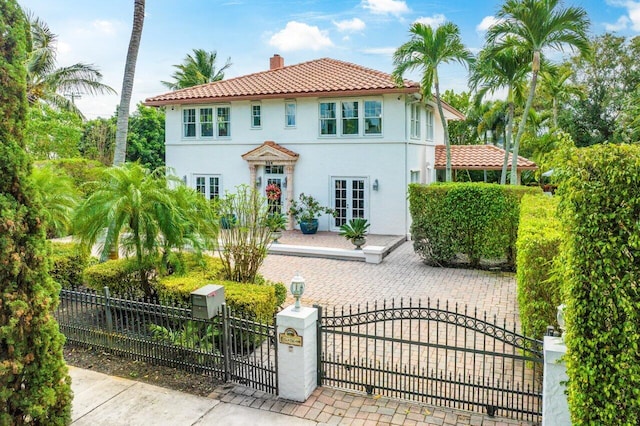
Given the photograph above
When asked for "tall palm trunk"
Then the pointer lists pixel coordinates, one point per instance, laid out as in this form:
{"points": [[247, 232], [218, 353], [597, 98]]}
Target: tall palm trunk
{"points": [[535, 68], [127, 83], [447, 144], [507, 141]]}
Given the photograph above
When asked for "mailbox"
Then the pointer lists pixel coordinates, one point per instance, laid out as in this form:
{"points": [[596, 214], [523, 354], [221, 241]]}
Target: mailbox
{"points": [[206, 301]]}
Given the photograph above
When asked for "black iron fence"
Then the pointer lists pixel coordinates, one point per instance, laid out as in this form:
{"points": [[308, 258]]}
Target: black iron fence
{"points": [[227, 347], [433, 355]]}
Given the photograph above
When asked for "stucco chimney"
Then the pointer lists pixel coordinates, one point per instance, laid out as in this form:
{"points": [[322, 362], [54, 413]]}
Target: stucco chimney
{"points": [[276, 62]]}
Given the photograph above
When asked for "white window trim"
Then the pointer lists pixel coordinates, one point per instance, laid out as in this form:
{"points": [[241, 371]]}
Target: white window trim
{"points": [[430, 124], [295, 114], [415, 123], [194, 180], [198, 123], [254, 104], [361, 118]]}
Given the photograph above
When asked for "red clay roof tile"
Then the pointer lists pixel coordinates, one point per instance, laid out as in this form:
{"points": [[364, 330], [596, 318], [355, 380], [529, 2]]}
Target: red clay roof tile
{"points": [[478, 157]]}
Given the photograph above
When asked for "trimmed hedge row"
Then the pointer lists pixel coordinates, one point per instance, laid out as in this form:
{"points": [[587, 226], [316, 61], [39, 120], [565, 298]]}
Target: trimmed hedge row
{"points": [[478, 220], [259, 300], [538, 276], [600, 206], [67, 263]]}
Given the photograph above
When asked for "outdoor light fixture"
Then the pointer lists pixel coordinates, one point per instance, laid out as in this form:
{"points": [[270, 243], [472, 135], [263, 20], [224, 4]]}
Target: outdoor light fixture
{"points": [[284, 182], [376, 186], [560, 318], [259, 181], [297, 288]]}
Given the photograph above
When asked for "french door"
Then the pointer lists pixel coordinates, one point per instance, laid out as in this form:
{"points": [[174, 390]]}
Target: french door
{"points": [[350, 199]]}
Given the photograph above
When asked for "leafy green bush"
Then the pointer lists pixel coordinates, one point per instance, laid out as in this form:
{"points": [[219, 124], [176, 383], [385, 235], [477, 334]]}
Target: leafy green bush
{"points": [[600, 207], [80, 170], [120, 275], [67, 263], [539, 282], [475, 219]]}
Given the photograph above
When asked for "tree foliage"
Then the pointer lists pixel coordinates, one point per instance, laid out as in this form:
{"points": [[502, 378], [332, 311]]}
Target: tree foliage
{"points": [[145, 138], [52, 133], [34, 382], [196, 69]]}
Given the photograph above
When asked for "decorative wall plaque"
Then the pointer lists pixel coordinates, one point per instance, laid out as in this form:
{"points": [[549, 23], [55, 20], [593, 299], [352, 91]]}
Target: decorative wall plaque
{"points": [[290, 337]]}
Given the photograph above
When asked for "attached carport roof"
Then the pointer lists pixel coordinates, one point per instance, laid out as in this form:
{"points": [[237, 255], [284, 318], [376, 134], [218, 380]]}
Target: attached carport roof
{"points": [[477, 157]]}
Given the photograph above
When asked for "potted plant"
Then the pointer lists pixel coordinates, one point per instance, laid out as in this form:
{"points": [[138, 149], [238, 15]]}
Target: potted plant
{"points": [[355, 231], [306, 212], [276, 222]]}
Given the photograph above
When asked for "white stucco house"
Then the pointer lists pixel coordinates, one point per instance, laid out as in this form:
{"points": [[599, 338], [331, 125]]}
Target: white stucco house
{"points": [[345, 134]]}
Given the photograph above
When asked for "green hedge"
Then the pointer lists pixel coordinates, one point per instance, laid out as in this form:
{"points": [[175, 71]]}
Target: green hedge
{"points": [[600, 190], [67, 263], [120, 275], [538, 247], [600, 206], [474, 219]]}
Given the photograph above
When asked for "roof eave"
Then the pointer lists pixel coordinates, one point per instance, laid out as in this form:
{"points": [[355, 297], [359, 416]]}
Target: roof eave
{"points": [[311, 94]]}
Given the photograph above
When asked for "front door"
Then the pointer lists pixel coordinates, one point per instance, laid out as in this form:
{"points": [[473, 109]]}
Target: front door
{"points": [[275, 176], [350, 200]]}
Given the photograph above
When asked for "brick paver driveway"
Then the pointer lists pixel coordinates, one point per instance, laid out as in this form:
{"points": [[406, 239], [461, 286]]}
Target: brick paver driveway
{"points": [[402, 274]]}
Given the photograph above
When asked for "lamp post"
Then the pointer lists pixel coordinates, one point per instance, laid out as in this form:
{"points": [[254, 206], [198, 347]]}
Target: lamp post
{"points": [[297, 289]]}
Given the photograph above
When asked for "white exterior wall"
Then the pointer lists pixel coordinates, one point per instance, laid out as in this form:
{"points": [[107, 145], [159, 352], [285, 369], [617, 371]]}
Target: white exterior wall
{"points": [[388, 158]]}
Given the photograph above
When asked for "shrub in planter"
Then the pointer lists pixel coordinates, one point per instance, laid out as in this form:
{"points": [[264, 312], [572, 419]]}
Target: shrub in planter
{"points": [[68, 261], [306, 211]]}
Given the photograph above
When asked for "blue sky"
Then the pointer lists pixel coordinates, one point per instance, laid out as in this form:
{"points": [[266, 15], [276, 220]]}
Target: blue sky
{"points": [[365, 32]]}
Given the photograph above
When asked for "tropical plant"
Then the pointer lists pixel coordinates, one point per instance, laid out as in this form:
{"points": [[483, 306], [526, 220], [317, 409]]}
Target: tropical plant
{"points": [[52, 85], [307, 208], [276, 222], [354, 230], [243, 246], [59, 197], [532, 26], [492, 71], [52, 133], [427, 49], [197, 69], [127, 83], [138, 210], [556, 86], [35, 387]]}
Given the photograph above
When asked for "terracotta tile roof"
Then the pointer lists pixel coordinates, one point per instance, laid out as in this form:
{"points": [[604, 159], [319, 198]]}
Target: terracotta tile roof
{"points": [[478, 157], [275, 146], [320, 77]]}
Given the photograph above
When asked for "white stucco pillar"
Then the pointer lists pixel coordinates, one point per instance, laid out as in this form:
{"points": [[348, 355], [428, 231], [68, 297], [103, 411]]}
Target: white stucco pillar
{"points": [[297, 352], [555, 409], [252, 175]]}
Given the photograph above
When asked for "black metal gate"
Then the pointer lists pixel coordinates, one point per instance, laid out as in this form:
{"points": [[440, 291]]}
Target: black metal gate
{"points": [[227, 347], [432, 355]]}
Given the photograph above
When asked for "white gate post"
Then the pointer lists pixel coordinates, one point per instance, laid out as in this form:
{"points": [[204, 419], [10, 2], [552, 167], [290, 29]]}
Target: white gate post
{"points": [[297, 352], [555, 409]]}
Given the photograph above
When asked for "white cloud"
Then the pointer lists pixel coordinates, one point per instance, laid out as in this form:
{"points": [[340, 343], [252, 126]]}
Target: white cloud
{"points": [[621, 24], [105, 27], [386, 51], [486, 23], [384, 7], [633, 18], [299, 36], [350, 25], [432, 21]]}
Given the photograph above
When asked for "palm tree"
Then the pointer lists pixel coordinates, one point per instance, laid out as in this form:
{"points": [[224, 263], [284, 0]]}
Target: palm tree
{"points": [[556, 86], [426, 50], [534, 25], [58, 196], [492, 71], [197, 69], [127, 83], [138, 210], [50, 84]]}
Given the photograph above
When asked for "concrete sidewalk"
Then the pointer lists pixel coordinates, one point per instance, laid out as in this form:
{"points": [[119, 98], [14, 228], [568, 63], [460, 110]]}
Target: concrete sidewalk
{"points": [[100, 399]]}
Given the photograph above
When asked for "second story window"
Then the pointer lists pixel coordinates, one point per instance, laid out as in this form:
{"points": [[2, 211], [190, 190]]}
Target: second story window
{"points": [[256, 119], [350, 118], [206, 122], [429, 125], [415, 121], [328, 118], [224, 124], [189, 122], [372, 117], [290, 114]]}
